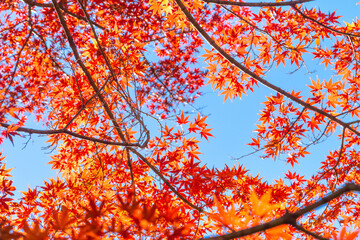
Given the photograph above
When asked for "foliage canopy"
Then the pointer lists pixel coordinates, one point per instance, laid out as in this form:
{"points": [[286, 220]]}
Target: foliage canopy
{"points": [[101, 74]]}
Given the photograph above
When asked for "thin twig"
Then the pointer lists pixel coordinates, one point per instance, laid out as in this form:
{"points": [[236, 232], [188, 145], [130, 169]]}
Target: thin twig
{"points": [[17, 62], [322, 25]]}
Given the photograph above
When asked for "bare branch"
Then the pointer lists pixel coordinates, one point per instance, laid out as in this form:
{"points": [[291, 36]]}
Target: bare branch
{"points": [[347, 188]]}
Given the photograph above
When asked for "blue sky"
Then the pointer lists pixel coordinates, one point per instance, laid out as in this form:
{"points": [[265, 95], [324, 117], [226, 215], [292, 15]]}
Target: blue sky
{"points": [[233, 123]]}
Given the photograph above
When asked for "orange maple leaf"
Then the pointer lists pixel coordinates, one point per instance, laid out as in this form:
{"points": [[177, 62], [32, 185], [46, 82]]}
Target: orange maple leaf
{"points": [[262, 206], [227, 218], [346, 235]]}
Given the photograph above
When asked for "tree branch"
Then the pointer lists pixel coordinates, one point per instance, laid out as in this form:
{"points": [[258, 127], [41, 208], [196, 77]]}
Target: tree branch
{"points": [[314, 235], [32, 3], [290, 218], [257, 4], [18, 61], [113, 75], [87, 73], [65, 131], [323, 25], [261, 80], [167, 183]]}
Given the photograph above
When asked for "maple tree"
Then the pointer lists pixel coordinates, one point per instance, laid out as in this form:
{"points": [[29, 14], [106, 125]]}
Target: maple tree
{"points": [[99, 74]]}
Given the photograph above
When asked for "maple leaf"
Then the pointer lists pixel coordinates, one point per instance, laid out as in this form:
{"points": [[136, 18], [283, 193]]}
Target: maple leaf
{"points": [[167, 9], [208, 55], [193, 153], [211, 66], [62, 219], [4, 202], [227, 218], [316, 86], [205, 133], [228, 93], [262, 206], [35, 233], [155, 6], [346, 235], [279, 232], [182, 119]]}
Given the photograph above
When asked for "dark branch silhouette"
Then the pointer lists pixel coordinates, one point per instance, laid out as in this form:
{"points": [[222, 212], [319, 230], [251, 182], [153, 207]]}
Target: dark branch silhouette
{"points": [[290, 218]]}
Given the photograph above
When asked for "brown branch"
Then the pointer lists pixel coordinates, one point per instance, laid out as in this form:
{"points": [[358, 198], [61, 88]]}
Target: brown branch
{"points": [[12, 27], [84, 104], [107, 109], [257, 4], [82, 18], [261, 80], [322, 25], [65, 131], [289, 129], [113, 75], [347, 188], [167, 183], [18, 62], [290, 218], [87, 73], [314, 235], [32, 3]]}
